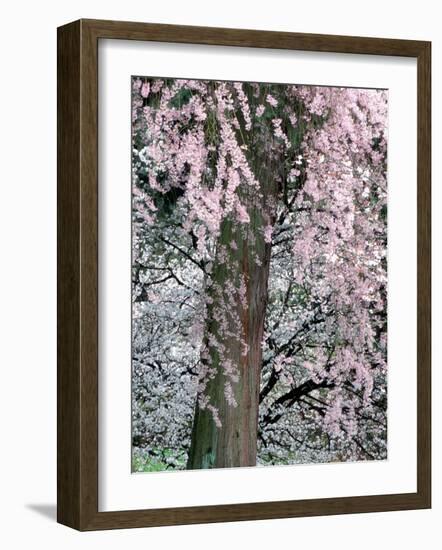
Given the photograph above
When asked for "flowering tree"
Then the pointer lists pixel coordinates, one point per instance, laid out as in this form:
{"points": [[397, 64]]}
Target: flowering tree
{"points": [[259, 272]]}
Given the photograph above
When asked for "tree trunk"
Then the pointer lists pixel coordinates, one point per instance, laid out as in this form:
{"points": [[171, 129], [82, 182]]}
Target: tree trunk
{"points": [[234, 443]]}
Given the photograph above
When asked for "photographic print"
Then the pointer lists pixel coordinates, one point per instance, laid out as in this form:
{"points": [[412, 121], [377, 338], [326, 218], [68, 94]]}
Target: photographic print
{"points": [[259, 274]]}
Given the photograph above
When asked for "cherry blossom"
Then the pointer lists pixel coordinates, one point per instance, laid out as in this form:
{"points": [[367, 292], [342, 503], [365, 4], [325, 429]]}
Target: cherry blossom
{"points": [[259, 269]]}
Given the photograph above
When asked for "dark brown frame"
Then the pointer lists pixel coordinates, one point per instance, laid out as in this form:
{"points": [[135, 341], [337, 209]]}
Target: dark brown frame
{"points": [[78, 267]]}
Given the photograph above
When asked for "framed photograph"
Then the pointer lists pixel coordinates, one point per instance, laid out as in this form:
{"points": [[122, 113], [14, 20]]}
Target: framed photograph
{"points": [[243, 274]]}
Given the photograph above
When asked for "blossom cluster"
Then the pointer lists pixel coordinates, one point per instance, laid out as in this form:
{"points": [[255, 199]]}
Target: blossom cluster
{"points": [[233, 179]]}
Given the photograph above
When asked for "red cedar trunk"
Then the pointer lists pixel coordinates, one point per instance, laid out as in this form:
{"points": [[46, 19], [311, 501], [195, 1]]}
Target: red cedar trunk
{"points": [[235, 442]]}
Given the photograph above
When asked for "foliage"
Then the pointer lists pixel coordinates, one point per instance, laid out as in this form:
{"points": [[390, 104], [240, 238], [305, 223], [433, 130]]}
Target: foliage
{"points": [[300, 170]]}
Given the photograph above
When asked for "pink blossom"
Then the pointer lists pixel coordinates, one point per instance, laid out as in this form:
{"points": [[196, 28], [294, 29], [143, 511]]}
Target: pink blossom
{"points": [[271, 100], [268, 230], [242, 214], [145, 89]]}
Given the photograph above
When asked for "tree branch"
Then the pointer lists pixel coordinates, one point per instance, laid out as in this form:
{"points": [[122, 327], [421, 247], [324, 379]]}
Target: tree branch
{"points": [[184, 253]]}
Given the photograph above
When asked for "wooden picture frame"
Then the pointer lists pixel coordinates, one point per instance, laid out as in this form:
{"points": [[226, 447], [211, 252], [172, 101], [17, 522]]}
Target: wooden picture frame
{"points": [[78, 274]]}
